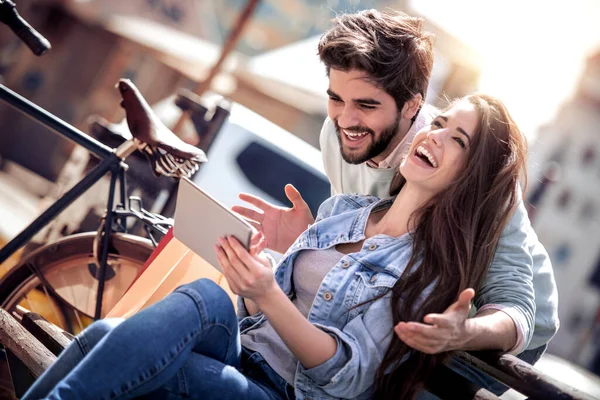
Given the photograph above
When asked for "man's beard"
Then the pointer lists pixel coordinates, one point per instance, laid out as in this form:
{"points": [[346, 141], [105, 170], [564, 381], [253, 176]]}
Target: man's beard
{"points": [[375, 148]]}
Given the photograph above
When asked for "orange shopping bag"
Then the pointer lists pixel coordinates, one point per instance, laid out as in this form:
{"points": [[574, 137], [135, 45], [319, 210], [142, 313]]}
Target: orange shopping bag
{"points": [[172, 264]]}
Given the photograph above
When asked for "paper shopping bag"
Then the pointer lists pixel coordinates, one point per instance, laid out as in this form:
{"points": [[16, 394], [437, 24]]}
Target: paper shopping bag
{"points": [[170, 265]]}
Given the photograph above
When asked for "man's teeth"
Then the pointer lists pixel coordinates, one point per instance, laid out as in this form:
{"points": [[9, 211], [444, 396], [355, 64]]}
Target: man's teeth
{"points": [[423, 151], [354, 135]]}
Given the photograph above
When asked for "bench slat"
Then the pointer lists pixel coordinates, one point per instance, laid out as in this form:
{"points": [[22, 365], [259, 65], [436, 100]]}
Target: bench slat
{"points": [[51, 336], [520, 376], [24, 345], [20, 376]]}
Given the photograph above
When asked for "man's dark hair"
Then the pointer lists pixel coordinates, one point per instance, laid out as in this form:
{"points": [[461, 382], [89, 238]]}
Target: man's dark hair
{"points": [[391, 48]]}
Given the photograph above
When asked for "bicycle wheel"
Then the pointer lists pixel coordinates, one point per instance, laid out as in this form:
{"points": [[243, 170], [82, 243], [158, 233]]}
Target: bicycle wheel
{"points": [[58, 280]]}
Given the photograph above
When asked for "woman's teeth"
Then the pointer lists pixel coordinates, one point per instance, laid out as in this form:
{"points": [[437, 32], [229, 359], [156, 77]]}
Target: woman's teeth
{"points": [[354, 135], [422, 151]]}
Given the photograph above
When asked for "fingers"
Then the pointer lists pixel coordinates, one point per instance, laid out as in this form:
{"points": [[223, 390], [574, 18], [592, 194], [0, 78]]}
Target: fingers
{"points": [[241, 254], [294, 196], [232, 276], [255, 201], [416, 341], [232, 255], [256, 238], [248, 213], [254, 218], [465, 297], [259, 248], [428, 332], [458, 310], [257, 243], [441, 320], [257, 227]]}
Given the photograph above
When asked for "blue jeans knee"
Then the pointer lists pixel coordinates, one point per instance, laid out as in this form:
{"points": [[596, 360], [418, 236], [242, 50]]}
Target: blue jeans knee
{"points": [[71, 357], [212, 301], [95, 332]]}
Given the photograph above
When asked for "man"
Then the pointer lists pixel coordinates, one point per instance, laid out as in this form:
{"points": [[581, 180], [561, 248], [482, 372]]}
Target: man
{"points": [[379, 66]]}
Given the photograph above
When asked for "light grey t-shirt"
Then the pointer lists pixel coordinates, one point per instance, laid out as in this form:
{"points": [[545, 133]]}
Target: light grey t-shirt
{"points": [[310, 268]]}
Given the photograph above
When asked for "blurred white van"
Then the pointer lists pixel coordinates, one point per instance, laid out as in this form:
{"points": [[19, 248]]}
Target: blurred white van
{"points": [[253, 155]]}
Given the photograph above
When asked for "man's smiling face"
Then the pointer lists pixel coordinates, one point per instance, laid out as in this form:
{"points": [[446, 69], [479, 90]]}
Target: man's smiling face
{"points": [[365, 116]]}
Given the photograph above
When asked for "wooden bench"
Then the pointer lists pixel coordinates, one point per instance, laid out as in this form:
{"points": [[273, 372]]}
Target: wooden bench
{"points": [[33, 343]]}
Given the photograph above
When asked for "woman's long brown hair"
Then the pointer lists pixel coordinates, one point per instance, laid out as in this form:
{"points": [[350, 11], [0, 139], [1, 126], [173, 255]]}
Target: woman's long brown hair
{"points": [[455, 237]]}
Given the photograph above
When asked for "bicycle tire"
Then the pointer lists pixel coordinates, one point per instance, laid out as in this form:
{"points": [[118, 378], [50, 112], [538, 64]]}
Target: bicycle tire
{"points": [[63, 272]]}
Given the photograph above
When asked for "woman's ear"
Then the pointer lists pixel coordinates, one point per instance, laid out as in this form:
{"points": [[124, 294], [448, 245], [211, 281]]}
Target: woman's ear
{"points": [[412, 106]]}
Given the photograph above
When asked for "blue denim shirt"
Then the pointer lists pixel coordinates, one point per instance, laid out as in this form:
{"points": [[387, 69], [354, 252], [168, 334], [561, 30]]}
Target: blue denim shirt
{"points": [[362, 331]]}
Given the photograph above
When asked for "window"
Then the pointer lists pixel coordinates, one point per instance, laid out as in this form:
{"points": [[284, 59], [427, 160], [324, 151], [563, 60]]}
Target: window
{"points": [[270, 171]]}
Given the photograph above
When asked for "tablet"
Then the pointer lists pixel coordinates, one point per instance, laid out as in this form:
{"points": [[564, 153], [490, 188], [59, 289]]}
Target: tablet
{"points": [[200, 220]]}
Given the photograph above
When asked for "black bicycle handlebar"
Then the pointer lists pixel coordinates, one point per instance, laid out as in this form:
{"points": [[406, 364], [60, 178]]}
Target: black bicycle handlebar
{"points": [[32, 38]]}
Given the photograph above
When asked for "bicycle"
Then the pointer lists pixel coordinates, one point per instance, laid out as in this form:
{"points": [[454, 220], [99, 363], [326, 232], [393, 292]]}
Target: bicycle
{"points": [[81, 276]]}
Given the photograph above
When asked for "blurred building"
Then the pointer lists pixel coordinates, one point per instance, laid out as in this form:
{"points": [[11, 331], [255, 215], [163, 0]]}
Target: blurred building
{"points": [[275, 23], [564, 192], [73, 81], [96, 43]]}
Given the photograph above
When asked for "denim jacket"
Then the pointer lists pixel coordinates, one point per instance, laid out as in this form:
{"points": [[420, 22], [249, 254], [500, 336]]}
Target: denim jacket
{"points": [[363, 331]]}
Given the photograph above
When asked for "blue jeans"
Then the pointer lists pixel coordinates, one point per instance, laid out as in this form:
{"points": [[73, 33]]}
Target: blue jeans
{"points": [[185, 346], [481, 378]]}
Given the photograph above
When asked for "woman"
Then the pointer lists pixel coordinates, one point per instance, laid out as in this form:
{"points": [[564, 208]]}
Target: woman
{"points": [[321, 325]]}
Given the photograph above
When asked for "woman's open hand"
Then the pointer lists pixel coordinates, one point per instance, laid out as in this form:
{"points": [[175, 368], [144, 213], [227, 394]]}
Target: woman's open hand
{"points": [[249, 274], [281, 226], [440, 332]]}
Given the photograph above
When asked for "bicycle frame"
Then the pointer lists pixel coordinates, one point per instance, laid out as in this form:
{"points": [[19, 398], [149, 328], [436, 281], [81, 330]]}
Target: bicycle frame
{"points": [[112, 161]]}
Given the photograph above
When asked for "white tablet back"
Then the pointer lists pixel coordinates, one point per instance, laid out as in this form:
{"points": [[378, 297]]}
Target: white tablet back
{"points": [[200, 220]]}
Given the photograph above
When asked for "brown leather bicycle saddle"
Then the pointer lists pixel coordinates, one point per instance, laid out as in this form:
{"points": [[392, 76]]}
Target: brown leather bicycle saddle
{"points": [[146, 127]]}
